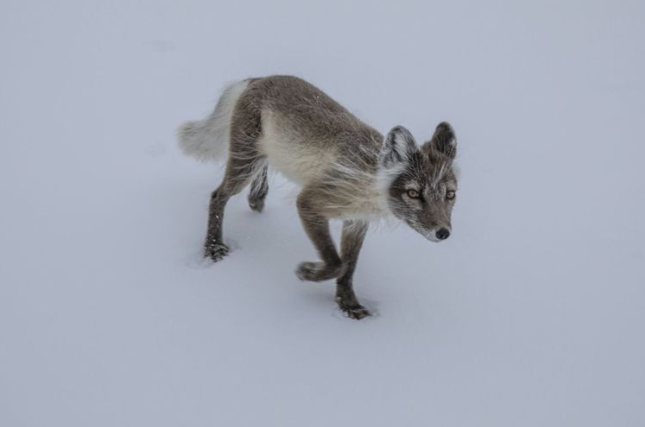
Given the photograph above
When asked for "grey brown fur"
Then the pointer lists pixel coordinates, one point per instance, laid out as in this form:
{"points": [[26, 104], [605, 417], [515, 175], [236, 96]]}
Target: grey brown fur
{"points": [[346, 169]]}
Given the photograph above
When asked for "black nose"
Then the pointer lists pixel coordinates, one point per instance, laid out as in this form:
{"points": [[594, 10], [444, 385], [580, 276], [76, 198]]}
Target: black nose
{"points": [[443, 234]]}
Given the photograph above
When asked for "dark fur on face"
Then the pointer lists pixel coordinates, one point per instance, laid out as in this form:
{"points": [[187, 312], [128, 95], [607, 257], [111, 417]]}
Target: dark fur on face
{"points": [[424, 191]]}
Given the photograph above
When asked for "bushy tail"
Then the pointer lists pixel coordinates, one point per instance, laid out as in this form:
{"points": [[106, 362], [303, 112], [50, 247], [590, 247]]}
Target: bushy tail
{"points": [[208, 139]]}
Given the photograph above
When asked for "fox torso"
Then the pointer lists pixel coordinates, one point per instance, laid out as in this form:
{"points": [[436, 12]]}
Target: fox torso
{"points": [[309, 137]]}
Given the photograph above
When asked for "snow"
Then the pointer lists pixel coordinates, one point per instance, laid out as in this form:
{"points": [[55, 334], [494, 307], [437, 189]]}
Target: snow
{"points": [[531, 314]]}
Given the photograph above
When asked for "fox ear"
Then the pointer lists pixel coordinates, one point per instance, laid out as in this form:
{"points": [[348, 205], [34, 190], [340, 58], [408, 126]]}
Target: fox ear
{"points": [[443, 140], [398, 147]]}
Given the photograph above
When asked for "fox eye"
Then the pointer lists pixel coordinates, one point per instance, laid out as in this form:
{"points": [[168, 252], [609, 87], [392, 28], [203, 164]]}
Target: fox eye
{"points": [[450, 195], [413, 194]]}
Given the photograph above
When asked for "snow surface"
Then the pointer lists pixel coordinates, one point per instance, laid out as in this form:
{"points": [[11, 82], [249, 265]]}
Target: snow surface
{"points": [[531, 314]]}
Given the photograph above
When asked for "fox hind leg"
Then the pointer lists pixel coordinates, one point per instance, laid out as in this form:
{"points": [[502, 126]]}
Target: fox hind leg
{"points": [[244, 163], [214, 247], [235, 179], [259, 190]]}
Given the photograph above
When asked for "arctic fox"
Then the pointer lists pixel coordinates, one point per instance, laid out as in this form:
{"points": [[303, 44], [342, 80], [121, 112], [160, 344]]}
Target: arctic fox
{"points": [[345, 168]]}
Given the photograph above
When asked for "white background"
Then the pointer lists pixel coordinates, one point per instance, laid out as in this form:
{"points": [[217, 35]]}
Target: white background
{"points": [[531, 314]]}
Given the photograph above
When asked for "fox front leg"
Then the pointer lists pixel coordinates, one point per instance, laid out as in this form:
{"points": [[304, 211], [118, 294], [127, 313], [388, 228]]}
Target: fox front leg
{"points": [[350, 246], [317, 228]]}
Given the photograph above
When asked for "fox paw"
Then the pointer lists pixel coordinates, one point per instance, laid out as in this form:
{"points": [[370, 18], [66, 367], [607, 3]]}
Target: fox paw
{"points": [[318, 271], [215, 251], [352, 309], [256, 205]]}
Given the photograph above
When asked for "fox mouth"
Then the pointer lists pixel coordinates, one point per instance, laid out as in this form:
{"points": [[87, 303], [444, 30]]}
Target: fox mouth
{"points": [[432, 236]]}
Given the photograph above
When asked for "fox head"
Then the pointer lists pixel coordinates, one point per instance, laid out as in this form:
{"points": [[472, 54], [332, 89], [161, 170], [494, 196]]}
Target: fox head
{"points": [[423, 185]]}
